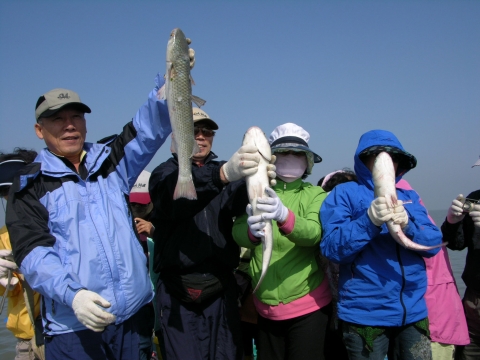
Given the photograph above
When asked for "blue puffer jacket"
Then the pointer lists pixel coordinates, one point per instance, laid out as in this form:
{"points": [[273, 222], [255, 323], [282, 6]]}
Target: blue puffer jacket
{"points": [[73, 231], [381, 283]]}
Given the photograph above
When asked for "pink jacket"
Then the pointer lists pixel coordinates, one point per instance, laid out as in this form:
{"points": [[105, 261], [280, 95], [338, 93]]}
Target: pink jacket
{"points": [[445, 309]]}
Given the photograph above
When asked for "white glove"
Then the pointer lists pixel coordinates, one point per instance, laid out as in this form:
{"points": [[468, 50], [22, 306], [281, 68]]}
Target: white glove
{"points": [[87, 307], [243, 163], [379, 212], [475, 215], [191, 54], [455, 211], [7, 264], [272, 206], [271, 171], [400, 216], [255, 223]]}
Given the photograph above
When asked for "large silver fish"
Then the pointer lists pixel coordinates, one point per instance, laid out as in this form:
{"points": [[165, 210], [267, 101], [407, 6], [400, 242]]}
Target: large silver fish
{"points": [[256, 185], [383, 174], [178, 93]]}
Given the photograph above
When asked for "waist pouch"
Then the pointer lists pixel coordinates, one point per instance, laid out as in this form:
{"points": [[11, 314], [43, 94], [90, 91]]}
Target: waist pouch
{"points": [[195, 288]]}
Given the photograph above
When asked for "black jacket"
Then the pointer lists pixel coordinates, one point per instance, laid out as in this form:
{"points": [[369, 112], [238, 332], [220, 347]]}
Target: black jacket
{"points": [[460, 236], [195, 235]]}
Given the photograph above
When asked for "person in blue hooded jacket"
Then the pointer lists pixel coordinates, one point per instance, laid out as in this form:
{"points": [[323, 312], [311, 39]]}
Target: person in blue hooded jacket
{"points": [[381, 284]]}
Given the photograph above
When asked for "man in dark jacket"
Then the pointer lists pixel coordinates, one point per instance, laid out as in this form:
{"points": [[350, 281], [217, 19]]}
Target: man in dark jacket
{"points": [[195, 253], [461, 229]]}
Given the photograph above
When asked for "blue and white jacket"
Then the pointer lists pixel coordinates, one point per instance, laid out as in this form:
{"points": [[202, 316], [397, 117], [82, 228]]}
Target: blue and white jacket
{"points": [[74, 231], [381, 283]]}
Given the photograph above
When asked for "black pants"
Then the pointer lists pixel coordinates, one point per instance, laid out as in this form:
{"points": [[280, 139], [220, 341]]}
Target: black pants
{"points": [[471, 306], [300, 338]]}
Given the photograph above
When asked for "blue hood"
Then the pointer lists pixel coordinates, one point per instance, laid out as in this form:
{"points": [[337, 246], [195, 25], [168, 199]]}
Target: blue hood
{"points": [[375, 138]]}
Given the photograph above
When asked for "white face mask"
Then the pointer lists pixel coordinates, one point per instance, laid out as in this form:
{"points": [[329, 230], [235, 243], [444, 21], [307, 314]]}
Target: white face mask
{"points": [[290, 167]]}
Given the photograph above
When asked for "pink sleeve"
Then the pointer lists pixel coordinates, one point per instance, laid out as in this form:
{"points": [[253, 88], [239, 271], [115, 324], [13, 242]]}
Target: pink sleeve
{"points": [[253, 239], [287, 227]]}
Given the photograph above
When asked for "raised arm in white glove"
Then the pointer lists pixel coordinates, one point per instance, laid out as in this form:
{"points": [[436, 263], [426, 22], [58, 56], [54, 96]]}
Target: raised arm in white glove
{"points": [[7, 264], [255, 223], [379, 212], [87, 306], [272, 207], [475, 215], [244, 163], [400, 216], [455, 211]]}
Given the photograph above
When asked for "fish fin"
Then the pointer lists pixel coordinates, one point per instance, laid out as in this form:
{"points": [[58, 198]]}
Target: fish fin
{"points": [[196, 148], [191, 80], [185, 189], [173, 146], [198, 101], [171, 73]]}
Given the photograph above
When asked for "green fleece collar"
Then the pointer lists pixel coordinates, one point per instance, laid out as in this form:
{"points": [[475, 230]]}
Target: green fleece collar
{"points": [[284, 186]]}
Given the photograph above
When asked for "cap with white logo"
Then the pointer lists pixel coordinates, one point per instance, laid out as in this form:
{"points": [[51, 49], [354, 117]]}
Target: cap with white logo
{"points": [[200, 115], [54, 100], [139, 193]]}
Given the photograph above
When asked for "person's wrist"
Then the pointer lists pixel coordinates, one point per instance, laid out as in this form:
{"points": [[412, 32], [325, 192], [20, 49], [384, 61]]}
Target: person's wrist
{"points": [[223, 178]]}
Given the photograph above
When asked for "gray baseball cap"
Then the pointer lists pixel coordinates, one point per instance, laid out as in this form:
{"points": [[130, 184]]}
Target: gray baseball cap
{"points": [[54, 100], [200, 115]]}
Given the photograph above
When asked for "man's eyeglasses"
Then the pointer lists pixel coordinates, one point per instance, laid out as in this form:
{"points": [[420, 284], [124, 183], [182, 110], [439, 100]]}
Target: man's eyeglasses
{"points": [[206, 132]]}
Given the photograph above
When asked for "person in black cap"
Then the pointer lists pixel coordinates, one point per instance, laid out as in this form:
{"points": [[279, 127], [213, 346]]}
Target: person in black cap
{"points": [[381, 284], [72, 229], [20, 314], [461, 229], [293, 300], [195, 253]]}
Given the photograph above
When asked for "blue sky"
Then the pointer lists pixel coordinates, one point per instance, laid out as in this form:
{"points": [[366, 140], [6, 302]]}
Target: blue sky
{"points": [[337, 68]]}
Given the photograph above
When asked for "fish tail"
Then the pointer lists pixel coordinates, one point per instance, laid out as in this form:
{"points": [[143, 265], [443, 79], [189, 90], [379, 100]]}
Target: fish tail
{"points": [[267, 244], [185, 189], [398, 235]]}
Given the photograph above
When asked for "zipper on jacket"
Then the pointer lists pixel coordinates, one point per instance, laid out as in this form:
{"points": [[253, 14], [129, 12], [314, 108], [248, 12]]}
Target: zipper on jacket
{"points": [[206, 221], [44, 316], [404, 318]]}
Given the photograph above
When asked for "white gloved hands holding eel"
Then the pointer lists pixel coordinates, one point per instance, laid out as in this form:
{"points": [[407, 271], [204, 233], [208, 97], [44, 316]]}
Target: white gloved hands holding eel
{"points": [[272, 209]]}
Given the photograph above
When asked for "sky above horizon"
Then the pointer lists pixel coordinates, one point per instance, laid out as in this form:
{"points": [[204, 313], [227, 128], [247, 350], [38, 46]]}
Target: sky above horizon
{"points": [[336, 68]]}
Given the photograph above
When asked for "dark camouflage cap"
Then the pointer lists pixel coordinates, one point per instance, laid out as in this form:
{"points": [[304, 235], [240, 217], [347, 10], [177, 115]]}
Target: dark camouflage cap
{"points": [[406, 160]]}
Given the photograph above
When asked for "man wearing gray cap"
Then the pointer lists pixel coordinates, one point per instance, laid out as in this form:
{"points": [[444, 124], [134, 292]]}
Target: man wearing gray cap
{"points": [[72, 230], [195, 253]]}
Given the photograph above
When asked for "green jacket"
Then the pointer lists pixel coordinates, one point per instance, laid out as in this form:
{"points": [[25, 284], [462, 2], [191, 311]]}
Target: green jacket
{"points": [[294, 269]]}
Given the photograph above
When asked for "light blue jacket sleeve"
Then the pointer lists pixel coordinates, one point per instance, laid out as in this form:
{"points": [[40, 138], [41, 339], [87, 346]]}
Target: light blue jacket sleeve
{"points": [[45, 273], [151, 127]]}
